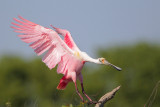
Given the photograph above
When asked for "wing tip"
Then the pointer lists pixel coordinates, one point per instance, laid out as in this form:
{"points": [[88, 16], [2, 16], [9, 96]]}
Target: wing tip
{"points": [[53, 26], [12, 27], [20, 16]]}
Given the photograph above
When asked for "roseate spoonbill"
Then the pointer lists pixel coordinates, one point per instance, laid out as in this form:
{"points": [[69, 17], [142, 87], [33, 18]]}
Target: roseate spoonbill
{"points": [[65, 53]]}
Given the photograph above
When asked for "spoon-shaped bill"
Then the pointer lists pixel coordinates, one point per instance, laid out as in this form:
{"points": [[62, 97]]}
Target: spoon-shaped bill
{"points": [[117, 68]]}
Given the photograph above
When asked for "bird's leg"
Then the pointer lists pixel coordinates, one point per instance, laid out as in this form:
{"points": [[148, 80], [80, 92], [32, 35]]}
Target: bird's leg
{"points": [[90, 100], [74, 78], [85, 93], [80, 77], [78, 92]]}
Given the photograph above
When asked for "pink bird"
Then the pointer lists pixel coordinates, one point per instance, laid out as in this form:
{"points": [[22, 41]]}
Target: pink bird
{"points": [[65, 53]]}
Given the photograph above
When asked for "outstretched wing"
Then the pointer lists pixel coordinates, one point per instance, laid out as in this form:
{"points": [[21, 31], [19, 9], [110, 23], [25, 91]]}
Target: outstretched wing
{"points": [[42, 39], [67, 38]]}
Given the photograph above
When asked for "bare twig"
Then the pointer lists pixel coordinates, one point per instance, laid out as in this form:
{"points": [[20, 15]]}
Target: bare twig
{"points": [[108, 96], [152, 96]]}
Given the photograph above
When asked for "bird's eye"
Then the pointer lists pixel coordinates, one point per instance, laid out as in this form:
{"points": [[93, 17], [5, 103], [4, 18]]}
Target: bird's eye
{"points": [[101, 60]]}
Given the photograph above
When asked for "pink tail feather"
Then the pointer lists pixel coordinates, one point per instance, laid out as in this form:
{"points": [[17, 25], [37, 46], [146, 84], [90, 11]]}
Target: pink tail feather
{"points": [[63, 83], [62, 86]]}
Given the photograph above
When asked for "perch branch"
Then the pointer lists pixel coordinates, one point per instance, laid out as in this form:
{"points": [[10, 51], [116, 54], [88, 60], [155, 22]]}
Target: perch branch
{"points": [[108, 96]]}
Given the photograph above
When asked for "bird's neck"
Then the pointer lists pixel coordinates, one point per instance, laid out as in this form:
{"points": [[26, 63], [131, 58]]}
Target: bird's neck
{"points": [[93, 60], [78, 55], [87, 58]]}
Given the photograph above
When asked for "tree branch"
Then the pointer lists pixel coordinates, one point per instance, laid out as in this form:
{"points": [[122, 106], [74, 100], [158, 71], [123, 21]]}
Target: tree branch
{"points": [[108, 96]]}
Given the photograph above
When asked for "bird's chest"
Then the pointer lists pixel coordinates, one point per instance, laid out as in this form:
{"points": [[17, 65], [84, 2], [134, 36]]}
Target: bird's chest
{"points": [[75, 64]]}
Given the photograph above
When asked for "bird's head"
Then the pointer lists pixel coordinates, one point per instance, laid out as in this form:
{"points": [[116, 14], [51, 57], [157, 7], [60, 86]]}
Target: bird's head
{"points": [[105, 62]]}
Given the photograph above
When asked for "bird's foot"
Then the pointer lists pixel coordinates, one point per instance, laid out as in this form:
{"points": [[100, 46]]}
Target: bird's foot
{"points": [[93, 102], [84, 102]]}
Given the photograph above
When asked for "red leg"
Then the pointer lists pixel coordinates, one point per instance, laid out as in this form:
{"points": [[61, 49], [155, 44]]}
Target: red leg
{"points": [[73, 76], [80, 77], [78, 92], [85, 93]]}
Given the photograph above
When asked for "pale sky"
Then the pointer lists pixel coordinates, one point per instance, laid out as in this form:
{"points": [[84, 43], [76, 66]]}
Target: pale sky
{"points": [[92, 23]]}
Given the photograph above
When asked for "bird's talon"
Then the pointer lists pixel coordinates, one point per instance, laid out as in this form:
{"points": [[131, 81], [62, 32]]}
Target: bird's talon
{"points": [[99, 101], [84, 101], [94, 102]]}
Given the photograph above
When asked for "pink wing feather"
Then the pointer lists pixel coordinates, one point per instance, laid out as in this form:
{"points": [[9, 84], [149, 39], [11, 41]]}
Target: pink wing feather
{"points": [[67, 38], [42, 40], [62, 66]]}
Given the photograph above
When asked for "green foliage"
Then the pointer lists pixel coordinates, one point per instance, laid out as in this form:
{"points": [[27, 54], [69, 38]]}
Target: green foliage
{"points": [[31, 84]]}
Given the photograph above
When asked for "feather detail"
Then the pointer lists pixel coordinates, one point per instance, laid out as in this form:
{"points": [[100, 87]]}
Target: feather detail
{"points": [[42, 39], [44, 47], [62, 64], [30, 39], [37, 43], [67, 38]]}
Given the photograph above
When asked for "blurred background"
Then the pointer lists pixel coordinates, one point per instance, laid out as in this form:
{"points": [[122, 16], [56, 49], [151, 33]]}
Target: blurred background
{"points": [[126, 33]]}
